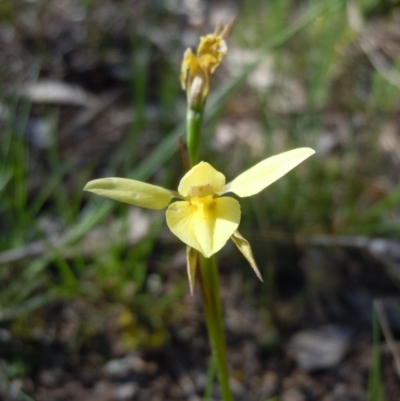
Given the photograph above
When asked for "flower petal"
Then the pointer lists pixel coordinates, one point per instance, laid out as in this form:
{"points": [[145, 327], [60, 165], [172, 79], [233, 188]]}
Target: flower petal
{"points": [[210, 52], [133, 192], [189, 67], [191, 264], [245, 248], [184, 221], [261, 175], [212, 48], [227, 213], [201, 175], [205, 227]]}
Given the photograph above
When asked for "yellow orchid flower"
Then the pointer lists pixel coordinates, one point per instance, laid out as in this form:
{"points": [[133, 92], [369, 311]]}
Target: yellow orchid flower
{"points": [[197, 68], [203, 218]]}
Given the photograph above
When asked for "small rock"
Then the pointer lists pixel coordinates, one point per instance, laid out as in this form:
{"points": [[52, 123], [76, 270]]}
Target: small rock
{"points": [[125, 391], [50, 378], [5, 336], [293, 394], [270, 384], [121, 367], [322, 348]]}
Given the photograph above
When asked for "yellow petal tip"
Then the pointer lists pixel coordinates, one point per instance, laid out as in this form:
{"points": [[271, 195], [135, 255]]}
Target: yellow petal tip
{"points": [[244, 247]]}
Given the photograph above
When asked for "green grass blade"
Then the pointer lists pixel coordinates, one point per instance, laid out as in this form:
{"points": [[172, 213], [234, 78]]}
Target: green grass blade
{"points": [[375, 387]]}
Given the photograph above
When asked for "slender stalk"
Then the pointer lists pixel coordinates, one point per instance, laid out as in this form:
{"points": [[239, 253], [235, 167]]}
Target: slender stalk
{"points": [[209, 279], [213, 314], [194, 119]]}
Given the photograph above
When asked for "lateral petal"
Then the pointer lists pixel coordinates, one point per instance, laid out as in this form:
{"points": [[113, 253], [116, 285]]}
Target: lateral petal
{"points": [[205, 226], [266, 172], [227, 219], [244, 247], [135, 193], [191, 264], [191, 225], [189, 62]]}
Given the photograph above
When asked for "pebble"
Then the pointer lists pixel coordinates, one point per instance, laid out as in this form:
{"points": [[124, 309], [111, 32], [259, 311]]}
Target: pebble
{"points": [[321, 348]]}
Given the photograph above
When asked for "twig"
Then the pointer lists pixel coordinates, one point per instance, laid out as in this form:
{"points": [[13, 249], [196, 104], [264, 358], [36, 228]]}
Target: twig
{"points": [[87, 115], [387, 333], [379, 62], [30, 250]]}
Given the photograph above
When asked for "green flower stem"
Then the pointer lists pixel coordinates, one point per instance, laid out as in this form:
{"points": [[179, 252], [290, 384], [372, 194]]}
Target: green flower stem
{"points": [[209, 279], [213, 313], [194, 119]]}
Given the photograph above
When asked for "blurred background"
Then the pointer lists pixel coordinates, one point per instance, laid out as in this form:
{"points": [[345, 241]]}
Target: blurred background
{"points": [[94, 299]]}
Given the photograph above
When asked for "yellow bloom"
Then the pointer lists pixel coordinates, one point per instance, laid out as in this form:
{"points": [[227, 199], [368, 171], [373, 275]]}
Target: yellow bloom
{"points": [[197, 68], [203, 218]]}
